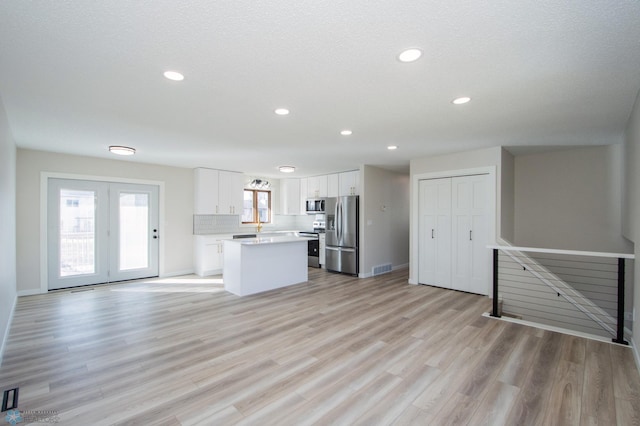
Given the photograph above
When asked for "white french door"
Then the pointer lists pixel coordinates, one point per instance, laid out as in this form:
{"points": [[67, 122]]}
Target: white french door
{"points": [[100, 232]]}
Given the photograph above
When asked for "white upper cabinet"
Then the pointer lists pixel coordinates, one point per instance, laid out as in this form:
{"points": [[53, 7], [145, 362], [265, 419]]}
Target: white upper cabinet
{"points": [[290, 202], [317, 186], [304, 189], [333, 185], [205, 191], [217, 192], [231, 185], [349, 183]]}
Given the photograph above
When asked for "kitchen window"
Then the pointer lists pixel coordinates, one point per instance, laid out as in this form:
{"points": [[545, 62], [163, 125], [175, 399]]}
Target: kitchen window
{"points": [[256, 205]]}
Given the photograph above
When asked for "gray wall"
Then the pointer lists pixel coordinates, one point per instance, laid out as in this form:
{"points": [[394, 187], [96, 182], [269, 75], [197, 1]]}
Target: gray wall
{"points": [[570, 200], [7, 226], [631, 206], [384, 212], [178, 207]]}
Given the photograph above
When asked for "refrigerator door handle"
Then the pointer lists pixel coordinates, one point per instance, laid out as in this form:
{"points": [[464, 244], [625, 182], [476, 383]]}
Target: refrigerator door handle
{"points": [[346, 249], [339, 221]]}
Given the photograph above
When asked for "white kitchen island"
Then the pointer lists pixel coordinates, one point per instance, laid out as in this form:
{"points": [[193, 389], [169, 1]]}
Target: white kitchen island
{"points": [[254, 265]]}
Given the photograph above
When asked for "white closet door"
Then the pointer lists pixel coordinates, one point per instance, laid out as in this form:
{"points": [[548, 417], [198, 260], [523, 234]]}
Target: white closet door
{"points": [[480, 254], [469, 234], [461, 232], [435, 232]]}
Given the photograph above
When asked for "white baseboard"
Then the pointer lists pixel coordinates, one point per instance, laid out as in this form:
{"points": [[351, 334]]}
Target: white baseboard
{"points": [[178, 273], [31, 292], [6, 331]]}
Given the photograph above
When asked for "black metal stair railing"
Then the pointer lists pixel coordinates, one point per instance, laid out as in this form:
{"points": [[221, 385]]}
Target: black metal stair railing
{"points": [[580, 291]]}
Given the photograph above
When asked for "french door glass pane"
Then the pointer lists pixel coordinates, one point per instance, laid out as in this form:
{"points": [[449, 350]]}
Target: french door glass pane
{"points": [[134, 231], [77, 232]]}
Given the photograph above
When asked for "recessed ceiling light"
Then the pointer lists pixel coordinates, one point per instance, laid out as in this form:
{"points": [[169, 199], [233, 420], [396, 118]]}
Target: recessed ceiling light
{"points": [[346, 132], [410, 55], [174, 75], [462, 100], [392, 147], [287, 169], [282, 111], [121, 150]]}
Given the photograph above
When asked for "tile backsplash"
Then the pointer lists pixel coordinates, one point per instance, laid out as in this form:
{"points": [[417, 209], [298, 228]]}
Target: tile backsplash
{"points": [[204, 224]]}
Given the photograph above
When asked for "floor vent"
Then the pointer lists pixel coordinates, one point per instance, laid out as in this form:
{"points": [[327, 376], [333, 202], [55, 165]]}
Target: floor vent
{"points": [[381, 269], [10, 397]]}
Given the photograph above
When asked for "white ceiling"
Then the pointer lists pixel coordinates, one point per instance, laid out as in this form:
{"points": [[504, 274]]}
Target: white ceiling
{"points": [[78, 76]]}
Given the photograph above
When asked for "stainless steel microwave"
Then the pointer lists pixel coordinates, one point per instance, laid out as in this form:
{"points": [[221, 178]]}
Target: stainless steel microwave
{"points": [[315, 205]]}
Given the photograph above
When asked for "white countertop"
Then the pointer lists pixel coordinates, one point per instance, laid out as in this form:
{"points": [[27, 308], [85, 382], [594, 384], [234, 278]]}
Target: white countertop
{"points": [[270, 240]]}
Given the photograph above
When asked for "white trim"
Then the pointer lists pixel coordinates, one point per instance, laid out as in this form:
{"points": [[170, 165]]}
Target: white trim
{"points": [[414, 206], [558, 251], [178, 273], [44, 185], [553, 328], [402, 266], [30, 292], [3, 344]]}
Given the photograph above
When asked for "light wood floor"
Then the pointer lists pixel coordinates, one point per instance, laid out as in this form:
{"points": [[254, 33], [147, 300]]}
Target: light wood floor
{"points": [[336, 350]]}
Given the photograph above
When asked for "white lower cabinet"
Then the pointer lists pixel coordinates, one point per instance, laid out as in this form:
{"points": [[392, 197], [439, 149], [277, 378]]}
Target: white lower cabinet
{"points": [[209, 254], [453, 233]]}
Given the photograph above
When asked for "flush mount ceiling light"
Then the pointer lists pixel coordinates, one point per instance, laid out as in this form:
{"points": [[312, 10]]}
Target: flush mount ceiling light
{"points": [[121, 150], [461, 100], [282, 111], [392, 147], [173, 75], [287, 169], [410, 55], [346, 132]]}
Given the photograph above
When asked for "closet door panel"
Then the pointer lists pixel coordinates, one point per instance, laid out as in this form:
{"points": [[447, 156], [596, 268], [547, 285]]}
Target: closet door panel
{"points": [[480, 255], [461, 203], [461, 252], [435, 232], [427, 228]]}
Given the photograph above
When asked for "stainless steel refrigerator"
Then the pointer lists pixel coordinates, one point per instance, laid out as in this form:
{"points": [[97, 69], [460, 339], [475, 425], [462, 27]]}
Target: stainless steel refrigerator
{"points": [[342, 234]]}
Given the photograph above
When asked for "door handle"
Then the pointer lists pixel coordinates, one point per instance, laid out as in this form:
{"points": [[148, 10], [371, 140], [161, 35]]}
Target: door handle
{"points": [[432, 237], [470, 239]]}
